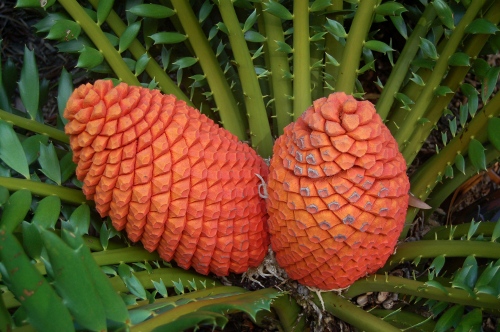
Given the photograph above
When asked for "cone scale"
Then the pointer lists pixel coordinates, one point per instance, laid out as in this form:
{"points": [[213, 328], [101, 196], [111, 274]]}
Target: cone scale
{"points": [[338, 194], [169, 177]]}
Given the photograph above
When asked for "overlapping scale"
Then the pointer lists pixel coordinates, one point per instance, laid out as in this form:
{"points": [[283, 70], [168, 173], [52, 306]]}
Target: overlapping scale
{"points": [[338, 193], [169, 176]]}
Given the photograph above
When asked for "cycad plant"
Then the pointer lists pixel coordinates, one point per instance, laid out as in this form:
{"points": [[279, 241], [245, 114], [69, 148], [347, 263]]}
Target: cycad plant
{"points": [[254, 67]]}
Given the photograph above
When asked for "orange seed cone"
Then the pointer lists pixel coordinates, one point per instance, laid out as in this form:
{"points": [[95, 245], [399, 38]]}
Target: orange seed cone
{"points": [[338, 193], [169, 176]]}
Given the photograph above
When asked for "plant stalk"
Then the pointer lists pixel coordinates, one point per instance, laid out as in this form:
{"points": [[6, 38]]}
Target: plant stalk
{"points": [[348, 71], [226, 103], [278, 65], [386, 283], [260, 130], [400, 69], [73, 196], [352, 314], [334, 48], [34, 126], [301, 58]]}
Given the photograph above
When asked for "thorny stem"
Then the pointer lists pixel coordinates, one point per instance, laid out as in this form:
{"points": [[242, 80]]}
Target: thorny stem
{"points": [[440, 68], [387, 283], [95, 33], [334, 48], [456, 232], [352, 314], [317, 54], [260, 130], [453, 79], [69, 195], [400, 69], [361, 24], [176, 312], [152, 68], [288, 312], [432, 248], [34, 126], [222, 94], [279, 65], [301, 58]]}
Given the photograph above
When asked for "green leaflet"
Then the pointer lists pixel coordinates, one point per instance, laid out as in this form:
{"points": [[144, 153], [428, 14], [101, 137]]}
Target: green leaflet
{"points": [[15, 210], [476, 154], [44, 308], [73, 283], [11, 150]]}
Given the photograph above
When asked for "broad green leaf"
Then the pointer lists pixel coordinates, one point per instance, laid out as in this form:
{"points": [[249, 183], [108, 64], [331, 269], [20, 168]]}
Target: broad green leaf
{"points": [[318, 5], [49, 163], [400, 25], [450, 318], [104, 235], [140, 315], [48, 21], [151, 10], [489, 83], [4, 195], [467, 275], [32, 241], [453, 126], [438, 308], [64, 30], [472, 97], [128, 36], [47, 212], [444, 13], [436, 284], [185, 62], [131, 281], [477, 155], [64, 90], [73, 283], [44, 308], [428, 49], [335, 28], [250, 21], [417, 79], [103, 9], [11, 150], [390, 8], [168, 37], [437, 264], [481, 26], [277, 9], [448, 171], [160, 287], [487, 275], [205, 11], [15, 209], [404, 99], [472, 229], [283, 47], [464, 114], [114, 307], [141, 64], [378, 46], [89, 58], [481, 68], [29, 86], [195, 320], [496, 232], [31, 147], [80, 220], [67, 166], [254, 36], [472, 321], [442, 90], [459, 59]]}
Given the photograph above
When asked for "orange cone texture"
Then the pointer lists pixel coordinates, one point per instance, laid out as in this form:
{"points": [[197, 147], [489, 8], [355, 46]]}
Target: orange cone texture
{"points": [[169, 176], [338, 193]]}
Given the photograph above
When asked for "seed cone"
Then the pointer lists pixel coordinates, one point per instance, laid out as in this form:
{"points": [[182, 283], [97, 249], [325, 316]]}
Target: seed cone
{"points": [[338, 193], [169, 176]]}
